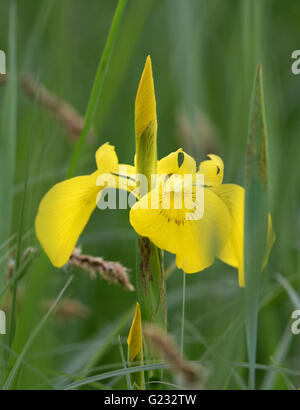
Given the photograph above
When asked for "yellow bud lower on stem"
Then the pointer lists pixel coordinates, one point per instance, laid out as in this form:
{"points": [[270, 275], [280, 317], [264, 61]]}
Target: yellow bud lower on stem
{"points": [[135, 348]]}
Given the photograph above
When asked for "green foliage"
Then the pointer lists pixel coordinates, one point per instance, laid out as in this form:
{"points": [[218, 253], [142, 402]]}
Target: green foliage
{"points": [[256, 216]]}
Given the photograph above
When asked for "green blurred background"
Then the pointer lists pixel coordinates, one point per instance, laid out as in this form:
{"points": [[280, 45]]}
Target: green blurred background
{"points": [[204, 54]]}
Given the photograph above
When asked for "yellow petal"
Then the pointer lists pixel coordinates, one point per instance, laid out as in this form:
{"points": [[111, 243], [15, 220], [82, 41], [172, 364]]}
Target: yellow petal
{"points": [[177, 162], [135, 337], [145, 104], [233, 252], [63, 213], [106, 158], [122, 178], [107, 163], [195, 242], [213, 170], [130, 169]]}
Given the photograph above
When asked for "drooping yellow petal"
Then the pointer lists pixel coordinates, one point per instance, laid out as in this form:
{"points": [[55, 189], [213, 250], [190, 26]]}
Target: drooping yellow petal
{"points": [[62, 215], [177, 162], [213, 170], [135, 337], [233, 252], [194, 241], [145, 104]]}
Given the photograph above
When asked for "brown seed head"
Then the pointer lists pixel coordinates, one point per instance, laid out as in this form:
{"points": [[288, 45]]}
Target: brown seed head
{"points": [[113, 272]]}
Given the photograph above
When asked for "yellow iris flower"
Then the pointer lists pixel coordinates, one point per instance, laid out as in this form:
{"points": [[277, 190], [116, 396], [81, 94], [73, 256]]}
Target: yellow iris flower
{"points": [[196, 242], [66, 208]]}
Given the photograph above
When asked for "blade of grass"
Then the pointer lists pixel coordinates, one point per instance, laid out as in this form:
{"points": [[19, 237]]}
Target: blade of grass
{"points": [[120, 324], [114, 373], [293, 295], [288, 383], [31, 338], [29, 366], [248, 20], [7, 242], [280, 355], [12, 322], [40, 23], [124, 363], [239, 380], [8, 136], [256, 217], [92, 351], [268, 298], [130, 35], [274, 368], [9, 133], [98, 84], [17, 274], [12, 326], [194, 332]]}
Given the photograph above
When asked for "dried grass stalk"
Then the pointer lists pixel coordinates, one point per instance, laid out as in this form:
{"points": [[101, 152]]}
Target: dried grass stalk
{"points": [[69, 118], [113, 272], [165, 346]]}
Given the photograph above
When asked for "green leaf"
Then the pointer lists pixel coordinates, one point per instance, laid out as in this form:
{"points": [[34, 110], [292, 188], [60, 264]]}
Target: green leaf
{"points": [[256, 216], [8, 136], [124, 363], [8, 133]]}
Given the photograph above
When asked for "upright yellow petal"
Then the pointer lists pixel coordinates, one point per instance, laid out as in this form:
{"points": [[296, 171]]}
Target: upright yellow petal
{"points": [[213, 170], [145, 104], [62, 215], [177, 163], [135, 337], [107, 162], [106, 158]]}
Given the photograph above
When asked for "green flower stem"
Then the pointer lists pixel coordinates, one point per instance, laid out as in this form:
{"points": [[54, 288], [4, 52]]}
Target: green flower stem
{"points": [[182, 315], [150, 281]]}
